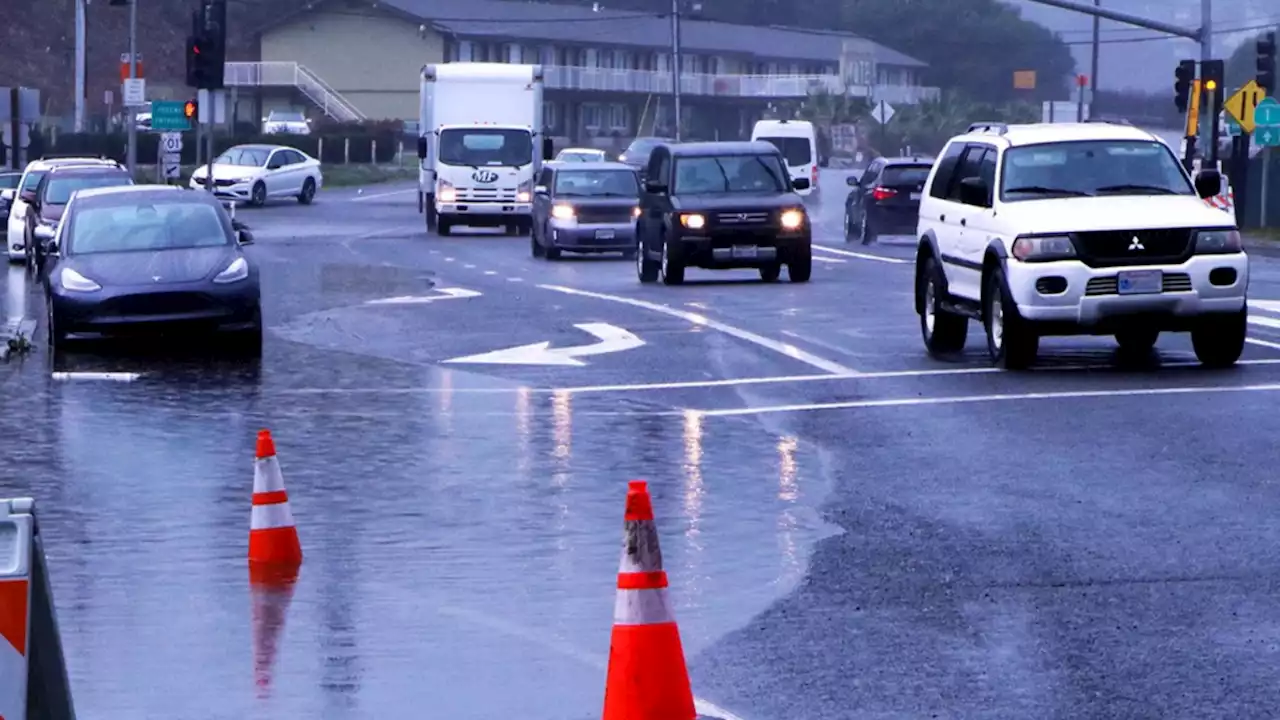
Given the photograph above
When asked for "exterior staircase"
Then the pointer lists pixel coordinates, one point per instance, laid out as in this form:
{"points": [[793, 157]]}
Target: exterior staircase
{"points": [[290, 74]]}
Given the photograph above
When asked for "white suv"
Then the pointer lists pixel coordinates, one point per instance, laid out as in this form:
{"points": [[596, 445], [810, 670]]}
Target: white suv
{"points": [[1075, 229], [20, 199]]}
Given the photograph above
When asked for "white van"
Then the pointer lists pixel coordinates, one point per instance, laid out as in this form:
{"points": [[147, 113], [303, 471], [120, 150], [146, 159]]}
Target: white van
{"points": [[799, 145]]}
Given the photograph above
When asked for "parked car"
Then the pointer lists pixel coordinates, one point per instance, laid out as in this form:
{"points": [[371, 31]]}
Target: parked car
{"points": [[582, 155], [55, 191], [9, 180], [257, 173], [885, 200], [585, 208], [20, 197], [286, 122]]}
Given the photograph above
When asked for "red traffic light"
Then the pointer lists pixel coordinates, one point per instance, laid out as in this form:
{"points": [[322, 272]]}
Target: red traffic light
{"points": [[189, 109]]}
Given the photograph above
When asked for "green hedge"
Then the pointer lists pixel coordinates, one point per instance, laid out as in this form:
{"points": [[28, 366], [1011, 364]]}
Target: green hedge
{"points": [[356, 146]]}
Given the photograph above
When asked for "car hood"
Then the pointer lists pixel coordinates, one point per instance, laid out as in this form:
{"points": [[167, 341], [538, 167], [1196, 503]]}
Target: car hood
{"points": [[716, 202], [225, 171], [161, 267], [1113, 212]]}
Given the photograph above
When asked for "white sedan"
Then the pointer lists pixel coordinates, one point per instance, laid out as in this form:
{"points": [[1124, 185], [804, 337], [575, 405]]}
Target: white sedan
{"points": [[582, 155], [257, 173]]}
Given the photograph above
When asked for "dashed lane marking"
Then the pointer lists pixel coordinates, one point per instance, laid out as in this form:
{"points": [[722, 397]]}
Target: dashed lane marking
{"points": [[107, 376], [862, 256], [490, 272], [515, 279], [375, 196], [782, 348], [830, 261]]}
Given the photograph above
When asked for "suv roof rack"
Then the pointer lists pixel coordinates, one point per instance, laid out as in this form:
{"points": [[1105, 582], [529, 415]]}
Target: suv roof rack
{"points": [[1110, 121], [998, 128]]}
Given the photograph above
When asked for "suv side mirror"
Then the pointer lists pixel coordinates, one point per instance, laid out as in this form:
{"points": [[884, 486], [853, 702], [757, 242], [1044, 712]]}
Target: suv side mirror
{"points": [[973, 191], [243, 236], [851, 181], [1208, 183], [7, 195], [800, 184], [548, 149], [654, 187], [422, 147], [539, 189], [45, 234]]}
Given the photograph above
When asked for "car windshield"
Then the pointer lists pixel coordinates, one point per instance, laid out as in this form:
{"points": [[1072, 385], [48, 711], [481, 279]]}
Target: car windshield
{"points": [[597, 183], [905, 175], [9, 181], [794, 149], [579, 156], [33, 179], [244, 157], [1096, 167], [129, 226], [729, 174], [641, 147], [58, 190], [292, 117], [476, 147]]}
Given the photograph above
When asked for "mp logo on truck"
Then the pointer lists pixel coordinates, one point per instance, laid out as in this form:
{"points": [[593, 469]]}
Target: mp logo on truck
{"points": [[484, 176]]}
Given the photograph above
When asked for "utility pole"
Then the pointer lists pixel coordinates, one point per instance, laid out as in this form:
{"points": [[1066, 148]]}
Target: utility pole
{"points": [[1093, 62], [133, 73], [80, 64], [675, 63]]}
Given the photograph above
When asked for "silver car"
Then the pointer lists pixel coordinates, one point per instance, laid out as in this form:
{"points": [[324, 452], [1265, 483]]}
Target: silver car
{"points": [[585, 207]]}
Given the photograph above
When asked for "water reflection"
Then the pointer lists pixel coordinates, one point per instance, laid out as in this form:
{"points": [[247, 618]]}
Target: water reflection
{"points": [[562, 451], [788, 492], [524, 429], [694, 492], [15, 301]]}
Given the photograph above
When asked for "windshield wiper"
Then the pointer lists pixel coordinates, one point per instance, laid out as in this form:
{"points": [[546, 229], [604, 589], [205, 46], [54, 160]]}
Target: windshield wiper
{"points": [[1042, 190], [1147, 188]]}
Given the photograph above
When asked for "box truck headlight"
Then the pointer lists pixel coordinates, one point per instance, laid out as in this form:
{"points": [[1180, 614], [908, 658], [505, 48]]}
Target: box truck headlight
{"points": [[525, 192], [446, 192]]}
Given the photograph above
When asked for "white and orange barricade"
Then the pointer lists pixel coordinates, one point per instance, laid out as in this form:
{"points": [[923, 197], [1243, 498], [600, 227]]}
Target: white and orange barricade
{"points": [[33, 672], [647, 678], [273, 537]]}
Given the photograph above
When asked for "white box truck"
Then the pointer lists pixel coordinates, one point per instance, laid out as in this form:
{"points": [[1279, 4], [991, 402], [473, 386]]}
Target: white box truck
{"points": [[480, 145]]}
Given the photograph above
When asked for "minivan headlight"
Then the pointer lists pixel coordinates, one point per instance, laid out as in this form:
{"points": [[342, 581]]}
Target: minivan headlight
{"points": [[1043, 248], [1215, 242]]}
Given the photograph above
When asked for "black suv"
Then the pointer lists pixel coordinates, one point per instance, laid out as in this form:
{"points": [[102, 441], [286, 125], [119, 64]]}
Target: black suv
{"points": [[721, 205]]}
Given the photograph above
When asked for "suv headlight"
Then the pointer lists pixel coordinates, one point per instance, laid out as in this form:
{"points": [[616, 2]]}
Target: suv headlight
{"points": [[693, 221], [562, 212], [76, 282], [1214, 242], [792, 219], [445, 192], [1043, 248], [524, 192]]}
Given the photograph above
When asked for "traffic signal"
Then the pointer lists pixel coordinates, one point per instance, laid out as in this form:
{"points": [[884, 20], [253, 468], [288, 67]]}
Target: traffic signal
{"points": [[1185, 73], [197, 62], [190, 110], [1212, 74], [1267, 62]]}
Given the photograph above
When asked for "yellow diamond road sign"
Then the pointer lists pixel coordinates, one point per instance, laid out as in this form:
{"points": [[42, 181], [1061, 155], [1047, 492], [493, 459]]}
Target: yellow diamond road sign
{"points": [[1242, 104]]}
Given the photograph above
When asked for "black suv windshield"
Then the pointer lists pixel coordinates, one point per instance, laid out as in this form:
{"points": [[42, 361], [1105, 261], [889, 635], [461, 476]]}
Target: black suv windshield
{"points": [[722, 174], [1094, 167], [477, 147]]}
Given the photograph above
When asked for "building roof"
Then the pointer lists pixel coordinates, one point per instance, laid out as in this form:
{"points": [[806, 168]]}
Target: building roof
{"points": [[570, 24]]}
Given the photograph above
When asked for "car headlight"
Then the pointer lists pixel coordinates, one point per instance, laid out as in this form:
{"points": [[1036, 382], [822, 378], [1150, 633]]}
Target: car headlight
{"points": [[792, 219], [635, 212], [562, 212], [1213, 242], [1043, 248], [524, 192], [445, 192], [76, 282], [238, 270], [693, 221]]}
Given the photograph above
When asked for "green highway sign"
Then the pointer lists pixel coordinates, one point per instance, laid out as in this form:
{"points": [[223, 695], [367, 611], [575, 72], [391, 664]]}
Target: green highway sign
{"points": [[168, 115], [1267, 136], [1267, 114]]}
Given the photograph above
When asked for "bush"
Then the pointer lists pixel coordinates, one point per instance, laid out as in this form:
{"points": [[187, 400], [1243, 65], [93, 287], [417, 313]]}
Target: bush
{"points": [[329, 147]]}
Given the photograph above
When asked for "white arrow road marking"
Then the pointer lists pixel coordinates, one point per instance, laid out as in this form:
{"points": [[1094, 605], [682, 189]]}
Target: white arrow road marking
{"points": [[862, 256], [611, 339], [441, 294]]}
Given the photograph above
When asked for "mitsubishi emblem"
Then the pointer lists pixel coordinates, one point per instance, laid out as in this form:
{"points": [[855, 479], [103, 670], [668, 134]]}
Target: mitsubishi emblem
{"points": [[1136, 244]]}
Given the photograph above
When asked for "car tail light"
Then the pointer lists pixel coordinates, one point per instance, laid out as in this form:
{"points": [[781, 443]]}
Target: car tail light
{"points": [[814, 182], [882, 193]]}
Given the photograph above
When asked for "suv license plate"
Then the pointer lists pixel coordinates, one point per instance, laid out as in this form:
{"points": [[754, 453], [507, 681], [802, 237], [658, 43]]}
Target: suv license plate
{"points": [[745, 252], [604, 234], [1140, 282]]}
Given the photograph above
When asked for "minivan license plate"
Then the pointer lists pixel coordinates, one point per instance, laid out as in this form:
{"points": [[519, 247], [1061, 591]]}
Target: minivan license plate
{"points": [[1139, 282], [604, 234], [745, 252]]}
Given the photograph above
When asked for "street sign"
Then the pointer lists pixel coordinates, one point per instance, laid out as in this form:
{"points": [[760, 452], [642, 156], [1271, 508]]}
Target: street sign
{"points": [[1233, 128], [1267, 113], [1267, 137], [171, 143], [883, 113], [168, 115], [1242, 104], [172, 165], [134, 92]]}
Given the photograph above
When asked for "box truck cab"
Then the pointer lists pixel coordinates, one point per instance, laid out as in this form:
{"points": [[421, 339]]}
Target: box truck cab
{"points": [[798, 142], [480, 145]]}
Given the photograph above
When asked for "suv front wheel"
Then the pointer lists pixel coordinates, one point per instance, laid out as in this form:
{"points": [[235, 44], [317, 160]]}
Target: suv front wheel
{"points": [[1010, 341], [1219, 341]]}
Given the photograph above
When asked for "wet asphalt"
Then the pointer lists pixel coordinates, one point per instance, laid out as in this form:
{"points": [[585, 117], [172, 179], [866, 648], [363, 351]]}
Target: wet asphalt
{"points": [[948, 541]]}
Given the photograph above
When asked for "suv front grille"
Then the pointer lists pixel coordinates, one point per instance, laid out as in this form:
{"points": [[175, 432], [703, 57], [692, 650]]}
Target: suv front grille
{"points": [[1117, 247], [1171, 282], [609, 215], [742, 218]]}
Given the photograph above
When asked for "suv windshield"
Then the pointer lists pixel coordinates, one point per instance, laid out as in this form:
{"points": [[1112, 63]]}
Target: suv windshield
{"points": [[794, 149], [597, 183], [476, 147], [1095, 167], [640, 148], [729, 174], [59, 189]]}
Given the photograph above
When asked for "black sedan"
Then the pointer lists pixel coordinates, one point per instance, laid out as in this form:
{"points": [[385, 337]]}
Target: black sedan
{"points": [[150, 258], [886, 199]]}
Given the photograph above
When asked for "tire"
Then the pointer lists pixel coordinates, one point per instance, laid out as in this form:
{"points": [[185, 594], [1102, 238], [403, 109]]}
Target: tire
{"points": [[1219, 342], [535, 248], [429, 203], [56, 338], [771, 272], [511, 229], [444, 225], [308, 193], [848, 225], [646, 269], [1137, 341], [800, 266], [943, 332], [552, 252], [258, 196], [867, 233], [248, 343], [671, 267], [1010, 342]]}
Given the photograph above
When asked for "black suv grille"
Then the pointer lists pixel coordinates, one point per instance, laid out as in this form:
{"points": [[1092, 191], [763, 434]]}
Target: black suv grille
{"points": [[747, 217], [1117, 247]]}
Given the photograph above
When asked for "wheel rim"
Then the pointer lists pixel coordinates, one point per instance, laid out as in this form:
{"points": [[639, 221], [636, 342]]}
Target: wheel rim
{"points": [[996, 313], [640, 259], [863, 226], [259, 194], [309, 190], [665, 260], [929, 316]]}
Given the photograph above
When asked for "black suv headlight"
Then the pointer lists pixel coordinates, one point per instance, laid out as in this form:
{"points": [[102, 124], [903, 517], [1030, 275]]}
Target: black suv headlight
{"points": [[1217, 242], [792, 219], [1044, 248]]}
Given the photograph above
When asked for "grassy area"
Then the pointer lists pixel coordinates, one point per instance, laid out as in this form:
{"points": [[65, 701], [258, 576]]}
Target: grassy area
{"points": [[1271, 233], [353, 175]]}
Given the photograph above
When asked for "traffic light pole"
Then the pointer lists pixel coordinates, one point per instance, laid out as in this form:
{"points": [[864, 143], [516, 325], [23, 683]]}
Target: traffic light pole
{"points": [[132, 158]]}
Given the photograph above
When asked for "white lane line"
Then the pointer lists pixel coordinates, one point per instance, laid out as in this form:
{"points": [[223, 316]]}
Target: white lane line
{"points": [[829, 261], [490, 272], [375, 196], [862, 256], [1264, 321], [786, 349], [515, 279], [109, 376], [1263, 343], [448, 259], [1007, 397]]}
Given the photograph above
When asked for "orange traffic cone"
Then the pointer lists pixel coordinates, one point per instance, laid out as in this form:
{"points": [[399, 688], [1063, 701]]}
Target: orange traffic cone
{"points": [[273, 538], [647, 676], [271, 591]]}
